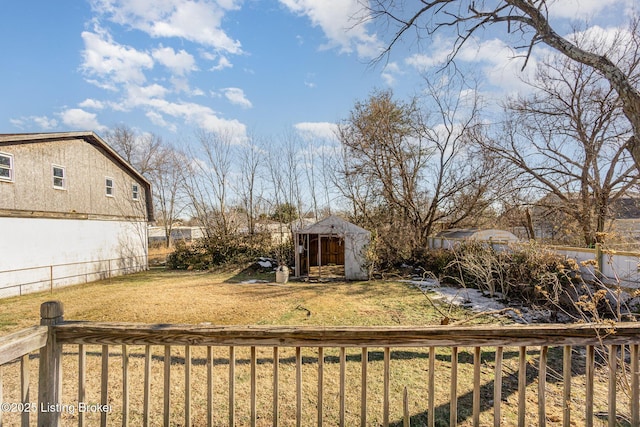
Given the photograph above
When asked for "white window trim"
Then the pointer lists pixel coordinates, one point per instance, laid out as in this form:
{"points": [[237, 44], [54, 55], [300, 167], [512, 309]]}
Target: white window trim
{"points": [[106, 187], [11, 167], [135, 194], [64, 177]]}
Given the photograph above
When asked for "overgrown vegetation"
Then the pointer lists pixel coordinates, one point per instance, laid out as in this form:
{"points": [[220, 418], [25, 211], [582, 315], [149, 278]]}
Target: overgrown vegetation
{"points": [[527, 274], [232, 249]]}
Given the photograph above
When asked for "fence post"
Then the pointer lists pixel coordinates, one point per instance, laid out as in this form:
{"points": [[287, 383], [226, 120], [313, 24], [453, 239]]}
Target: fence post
{"points": [[50, 380], [599, 258]]}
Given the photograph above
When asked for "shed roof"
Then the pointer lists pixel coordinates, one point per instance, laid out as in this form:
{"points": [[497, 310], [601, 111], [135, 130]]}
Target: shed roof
{"points": [[478, 234], [333, 225], [91, 138]]}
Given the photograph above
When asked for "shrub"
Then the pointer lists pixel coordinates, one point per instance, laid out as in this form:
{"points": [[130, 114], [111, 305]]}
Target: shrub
{"points": [[221, 250]]}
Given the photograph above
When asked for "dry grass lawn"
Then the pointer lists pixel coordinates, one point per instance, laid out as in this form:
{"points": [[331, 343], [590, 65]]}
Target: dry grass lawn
{"points": [[223, 299]]}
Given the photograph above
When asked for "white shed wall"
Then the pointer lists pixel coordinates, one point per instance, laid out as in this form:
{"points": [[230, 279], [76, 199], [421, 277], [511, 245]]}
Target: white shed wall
{"points": [[59, 252], [354, 256]]}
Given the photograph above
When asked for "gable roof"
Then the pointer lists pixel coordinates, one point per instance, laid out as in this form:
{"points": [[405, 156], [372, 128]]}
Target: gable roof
{"points": [[333, 225], [89, 137]]}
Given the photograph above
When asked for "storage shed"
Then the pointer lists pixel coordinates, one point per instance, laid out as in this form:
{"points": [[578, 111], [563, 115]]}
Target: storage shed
{"points": [[332, 248]]}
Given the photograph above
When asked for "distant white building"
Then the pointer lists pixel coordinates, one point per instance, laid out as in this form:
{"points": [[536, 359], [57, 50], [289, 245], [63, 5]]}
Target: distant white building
{"points": [[71, 210]]}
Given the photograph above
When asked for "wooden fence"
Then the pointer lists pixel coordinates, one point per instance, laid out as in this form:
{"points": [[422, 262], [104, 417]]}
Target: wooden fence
{"points": [[577, 346]]}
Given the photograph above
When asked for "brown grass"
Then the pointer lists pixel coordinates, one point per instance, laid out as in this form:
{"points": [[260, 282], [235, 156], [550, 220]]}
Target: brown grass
{"points": [[222, 298]]}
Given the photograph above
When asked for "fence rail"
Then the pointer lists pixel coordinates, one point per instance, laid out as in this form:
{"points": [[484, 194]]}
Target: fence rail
{"points": [[312, 365], [20, 281]]}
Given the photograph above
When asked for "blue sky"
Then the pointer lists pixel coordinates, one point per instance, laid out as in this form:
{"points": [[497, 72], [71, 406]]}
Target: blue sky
{"points": [[259, 67]]}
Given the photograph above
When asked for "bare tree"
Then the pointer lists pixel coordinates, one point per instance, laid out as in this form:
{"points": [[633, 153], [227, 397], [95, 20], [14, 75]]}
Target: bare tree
{"points": [[410, 167], [210, 172], [142, 151], [528, 21], [166, 177], [251, 156], [568, 139]]}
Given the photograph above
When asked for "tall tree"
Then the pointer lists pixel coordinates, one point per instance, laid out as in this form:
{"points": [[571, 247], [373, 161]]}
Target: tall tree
{"points": [[410, 167], [529, 21], [568, 140]]}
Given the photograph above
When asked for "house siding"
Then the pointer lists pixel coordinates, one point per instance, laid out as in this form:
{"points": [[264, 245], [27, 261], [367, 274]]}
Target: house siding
{"points": [[57, 237], [86, 167]]}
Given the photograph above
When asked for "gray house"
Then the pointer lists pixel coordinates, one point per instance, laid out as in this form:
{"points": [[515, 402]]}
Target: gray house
{"points": [[71, 210]]}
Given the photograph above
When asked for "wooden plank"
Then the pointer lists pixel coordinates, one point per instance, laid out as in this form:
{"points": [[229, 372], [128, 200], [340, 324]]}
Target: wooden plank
{"points": [[522, 385], [1, 400], [542, 385], [635, 385], [386, 383], [298, 387], [232, 386], [125, 387], [406, 417], [147, 387], [497, 389], [476, 386], [82, 381], [363, 386], [343, 377], [167, 386], [210, 386], [254, 414], [364, 336], [187, 386], [589, 384], [453, 395], [566, 390], [432, 387], [104, 384], [611, 399], [24, 388], [276, 390], [320, 384], [25, 341]]}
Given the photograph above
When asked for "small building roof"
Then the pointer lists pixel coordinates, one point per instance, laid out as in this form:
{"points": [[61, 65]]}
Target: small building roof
{"points": [[477, 234], [333, 225]]}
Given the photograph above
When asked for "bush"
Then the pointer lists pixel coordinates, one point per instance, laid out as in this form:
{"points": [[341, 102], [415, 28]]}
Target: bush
{"points": [[220, 250]]}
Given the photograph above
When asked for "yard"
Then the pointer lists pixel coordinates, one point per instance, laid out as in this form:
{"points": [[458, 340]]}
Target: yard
{"points": [[228, 299], [223, 299]]}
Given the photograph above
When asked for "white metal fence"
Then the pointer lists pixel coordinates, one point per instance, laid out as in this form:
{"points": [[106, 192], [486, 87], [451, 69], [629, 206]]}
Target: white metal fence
{"points": [[49, 277]]}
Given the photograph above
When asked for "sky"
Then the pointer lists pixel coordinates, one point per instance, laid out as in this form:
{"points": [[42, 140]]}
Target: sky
{"points": [[245, 67]]}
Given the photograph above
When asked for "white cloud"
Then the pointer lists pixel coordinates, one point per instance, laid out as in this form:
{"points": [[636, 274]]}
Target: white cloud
{"points": [[92, 103], [583, 9], [337, 19], [41, 122], [105, 59], [179, 63], [159, 120], [317, 130], [79, 119], [391, 70], [236, 96], [198, 21], [223, 63]]}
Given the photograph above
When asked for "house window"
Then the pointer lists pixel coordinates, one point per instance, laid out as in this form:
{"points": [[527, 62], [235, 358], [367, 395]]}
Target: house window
{"points": [[6, 167], [59, 179], [135, 192], [108, 183]]}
